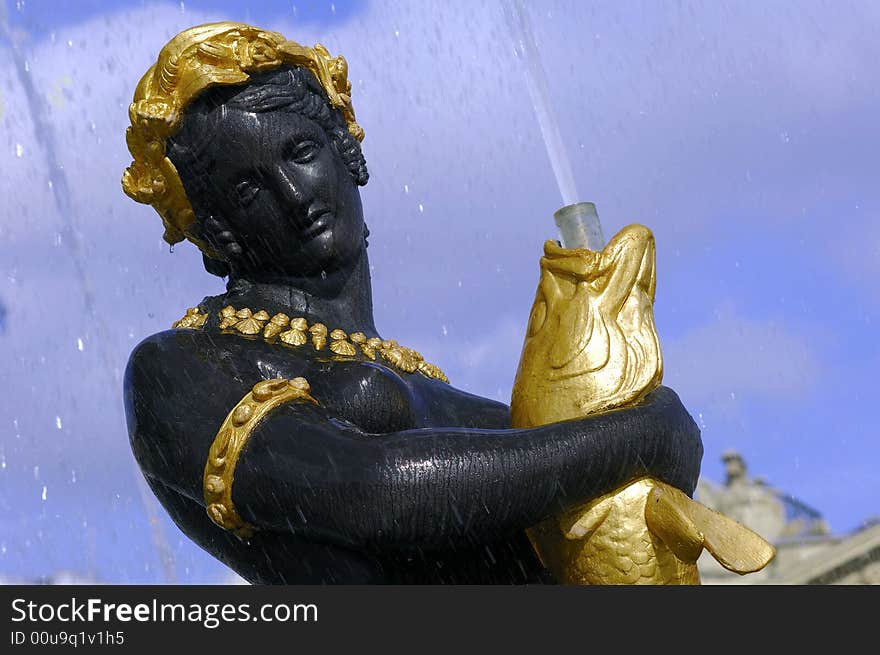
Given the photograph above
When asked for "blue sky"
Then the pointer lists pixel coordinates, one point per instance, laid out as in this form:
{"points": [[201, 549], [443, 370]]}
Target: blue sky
{"points": [[744, 134]]}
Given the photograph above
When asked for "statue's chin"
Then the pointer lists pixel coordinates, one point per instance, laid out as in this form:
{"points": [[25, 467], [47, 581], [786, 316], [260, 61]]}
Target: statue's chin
{"points": [[319, 257]]}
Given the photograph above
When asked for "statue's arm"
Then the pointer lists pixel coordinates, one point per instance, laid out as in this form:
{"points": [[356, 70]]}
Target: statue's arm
{"points": [[308, 471]]}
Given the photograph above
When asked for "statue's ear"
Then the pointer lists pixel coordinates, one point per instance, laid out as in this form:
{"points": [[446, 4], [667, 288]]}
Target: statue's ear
{"points": [[216, 233]]}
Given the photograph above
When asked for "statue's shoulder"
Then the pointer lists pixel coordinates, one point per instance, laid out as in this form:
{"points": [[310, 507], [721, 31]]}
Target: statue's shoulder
{"points": [[186, 359], [175, 347], [176, 393]]}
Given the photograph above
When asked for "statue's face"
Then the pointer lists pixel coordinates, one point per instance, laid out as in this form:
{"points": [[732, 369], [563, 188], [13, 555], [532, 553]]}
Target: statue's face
{"points": [[283, 194]]}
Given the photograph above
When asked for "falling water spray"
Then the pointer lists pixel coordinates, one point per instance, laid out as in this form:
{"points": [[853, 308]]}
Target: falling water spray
{"points": [[578, 222], [45, 136]]}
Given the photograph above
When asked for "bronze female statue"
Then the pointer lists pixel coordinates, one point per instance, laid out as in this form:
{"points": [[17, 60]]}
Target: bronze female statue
{"points": [[354, 459]]}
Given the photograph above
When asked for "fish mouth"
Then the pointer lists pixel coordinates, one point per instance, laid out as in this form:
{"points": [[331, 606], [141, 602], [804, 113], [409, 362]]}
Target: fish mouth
{"points": [[577, 263]]}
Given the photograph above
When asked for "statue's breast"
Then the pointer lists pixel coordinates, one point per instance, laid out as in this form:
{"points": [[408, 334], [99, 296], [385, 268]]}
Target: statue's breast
{"points": [[370, 395]]}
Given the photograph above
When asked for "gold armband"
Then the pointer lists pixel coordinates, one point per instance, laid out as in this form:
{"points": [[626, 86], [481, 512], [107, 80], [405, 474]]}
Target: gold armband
{"points": [[231, 438]]}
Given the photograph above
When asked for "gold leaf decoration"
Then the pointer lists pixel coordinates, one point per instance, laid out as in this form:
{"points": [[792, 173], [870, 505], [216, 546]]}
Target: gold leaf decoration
{"points": [[297, 332]]}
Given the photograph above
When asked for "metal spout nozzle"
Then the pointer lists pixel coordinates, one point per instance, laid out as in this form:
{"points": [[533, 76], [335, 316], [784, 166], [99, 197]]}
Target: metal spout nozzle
{"points": [[579, 226]]}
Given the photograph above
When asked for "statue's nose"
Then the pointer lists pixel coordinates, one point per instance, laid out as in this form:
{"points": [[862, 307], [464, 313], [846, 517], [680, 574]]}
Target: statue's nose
{"points": [[292, 189]]}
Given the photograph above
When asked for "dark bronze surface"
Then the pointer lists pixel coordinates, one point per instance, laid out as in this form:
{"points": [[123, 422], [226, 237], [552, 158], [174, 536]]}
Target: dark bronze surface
{"points": [[395, 478]]}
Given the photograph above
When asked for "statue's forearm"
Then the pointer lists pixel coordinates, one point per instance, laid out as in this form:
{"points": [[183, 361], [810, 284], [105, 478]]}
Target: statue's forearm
{"points": [[323, 478]]}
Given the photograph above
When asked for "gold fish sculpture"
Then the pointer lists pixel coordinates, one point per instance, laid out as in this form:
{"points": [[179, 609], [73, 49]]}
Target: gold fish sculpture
{"points": [[591, 346]]}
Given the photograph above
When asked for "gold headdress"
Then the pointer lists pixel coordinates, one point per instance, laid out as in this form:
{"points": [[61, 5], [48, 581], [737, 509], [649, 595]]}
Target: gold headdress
{"points": [[194, 60]]}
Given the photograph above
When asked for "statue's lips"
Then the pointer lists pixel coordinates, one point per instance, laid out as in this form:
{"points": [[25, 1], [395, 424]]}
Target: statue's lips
{"points": [[315, 224]]}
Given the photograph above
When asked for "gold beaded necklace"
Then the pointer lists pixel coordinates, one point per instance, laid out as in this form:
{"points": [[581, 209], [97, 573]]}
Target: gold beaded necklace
{"points": [[296, 332]]}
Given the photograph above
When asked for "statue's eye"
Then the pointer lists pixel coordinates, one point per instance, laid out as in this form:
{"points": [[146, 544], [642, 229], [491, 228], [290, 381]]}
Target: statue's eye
{"points": [[305, 151], [247, 191]]}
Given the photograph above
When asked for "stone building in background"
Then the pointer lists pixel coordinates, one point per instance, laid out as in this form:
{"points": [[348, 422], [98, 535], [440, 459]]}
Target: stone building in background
{"points": [[807, 551]]}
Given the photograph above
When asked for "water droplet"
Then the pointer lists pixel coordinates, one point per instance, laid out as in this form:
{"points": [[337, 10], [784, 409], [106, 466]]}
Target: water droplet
{"points": [[36, 473], [19, 150], [171, 248], [444, 330], [406, 188], [79, 344], [69, 43], [58, 422], [43, 495], [421, 209]]}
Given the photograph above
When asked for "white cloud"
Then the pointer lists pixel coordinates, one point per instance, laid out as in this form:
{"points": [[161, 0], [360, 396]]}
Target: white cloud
{"points": [[733, 358]]}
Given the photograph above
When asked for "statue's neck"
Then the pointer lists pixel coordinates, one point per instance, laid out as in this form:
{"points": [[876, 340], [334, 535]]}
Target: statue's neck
{"points": [[341, 299]]}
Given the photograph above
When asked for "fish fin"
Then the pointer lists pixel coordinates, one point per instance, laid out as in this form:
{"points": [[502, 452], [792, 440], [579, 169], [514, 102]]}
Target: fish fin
{"points": [[546, 543], [736, 548], [581, 524], [667, 518]]}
